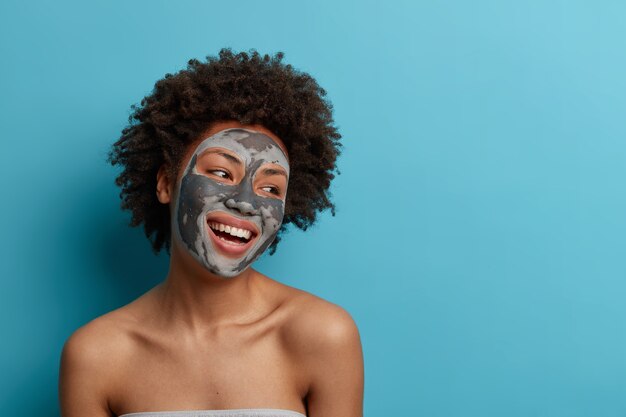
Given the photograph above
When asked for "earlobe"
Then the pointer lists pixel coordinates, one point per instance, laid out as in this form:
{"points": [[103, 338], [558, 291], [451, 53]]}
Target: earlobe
{"points": [[163, 186]]}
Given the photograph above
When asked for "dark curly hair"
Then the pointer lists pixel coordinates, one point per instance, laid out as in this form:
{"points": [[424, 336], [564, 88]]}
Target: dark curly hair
{"points": [[246, 87]]}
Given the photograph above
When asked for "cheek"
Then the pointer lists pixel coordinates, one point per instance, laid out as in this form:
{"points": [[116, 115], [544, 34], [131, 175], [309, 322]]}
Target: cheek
{"points": [[196, 191], [272, 213]]}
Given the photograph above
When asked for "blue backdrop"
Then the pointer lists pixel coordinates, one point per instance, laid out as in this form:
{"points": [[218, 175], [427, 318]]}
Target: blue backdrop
{"points": [[479, 241]]}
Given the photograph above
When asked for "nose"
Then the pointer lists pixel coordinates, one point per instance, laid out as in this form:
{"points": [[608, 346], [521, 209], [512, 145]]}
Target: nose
{"points": [[242, 206]]}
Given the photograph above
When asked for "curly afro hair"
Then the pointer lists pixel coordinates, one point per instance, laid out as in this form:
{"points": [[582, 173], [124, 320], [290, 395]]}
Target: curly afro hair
{"points": [[249, 88]]}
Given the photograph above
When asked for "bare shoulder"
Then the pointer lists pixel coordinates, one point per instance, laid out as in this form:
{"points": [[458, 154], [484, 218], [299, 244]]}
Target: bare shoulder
{"points": [[90, 360], [94, 340], [314, 325], [324, 341], [98, 347]]}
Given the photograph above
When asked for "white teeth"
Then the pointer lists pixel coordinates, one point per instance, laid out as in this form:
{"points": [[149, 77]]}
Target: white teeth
{"points": [[230, 242], [234, 231]]}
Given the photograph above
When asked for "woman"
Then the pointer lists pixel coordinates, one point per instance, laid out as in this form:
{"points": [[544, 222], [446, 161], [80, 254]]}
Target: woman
{"points": [[207, 160]]}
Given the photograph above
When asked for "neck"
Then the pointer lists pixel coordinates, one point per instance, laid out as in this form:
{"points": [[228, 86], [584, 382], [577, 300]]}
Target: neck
{"points": [[199, 300]]}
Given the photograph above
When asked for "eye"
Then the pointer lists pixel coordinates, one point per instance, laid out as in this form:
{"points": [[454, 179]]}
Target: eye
{"points": [[220, 173], [270, 189]]}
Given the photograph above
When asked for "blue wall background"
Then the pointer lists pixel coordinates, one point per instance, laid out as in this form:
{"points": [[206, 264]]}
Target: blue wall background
{"points": [[479, 240]]}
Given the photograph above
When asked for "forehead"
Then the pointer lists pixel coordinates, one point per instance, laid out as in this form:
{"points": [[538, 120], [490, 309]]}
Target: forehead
{"points": [[251, 145]]}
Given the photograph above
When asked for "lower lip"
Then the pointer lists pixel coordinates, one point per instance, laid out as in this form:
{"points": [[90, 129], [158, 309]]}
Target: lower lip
{"points": [[229, 249]]}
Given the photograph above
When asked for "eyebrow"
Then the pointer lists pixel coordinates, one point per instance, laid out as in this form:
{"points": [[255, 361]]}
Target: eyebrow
{"points": [[272, 171], [227, 156], [266, 171]]}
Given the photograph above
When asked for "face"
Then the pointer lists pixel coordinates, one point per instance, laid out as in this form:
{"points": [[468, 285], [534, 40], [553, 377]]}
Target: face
{"points": [[231, 199]]}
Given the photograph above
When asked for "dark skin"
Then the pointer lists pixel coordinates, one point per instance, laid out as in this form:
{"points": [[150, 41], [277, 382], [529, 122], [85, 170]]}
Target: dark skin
{"points": [[198, 341]]}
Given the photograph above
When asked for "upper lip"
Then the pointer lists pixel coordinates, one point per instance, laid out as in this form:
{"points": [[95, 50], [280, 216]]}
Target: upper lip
{"points": [[227, 219]]}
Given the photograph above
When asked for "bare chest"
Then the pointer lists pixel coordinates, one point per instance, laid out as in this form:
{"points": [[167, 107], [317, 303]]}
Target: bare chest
{"points": [[219, 373]]}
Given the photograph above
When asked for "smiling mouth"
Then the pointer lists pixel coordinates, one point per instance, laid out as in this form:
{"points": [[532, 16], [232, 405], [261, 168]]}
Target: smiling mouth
{"points": [[230, 234]]}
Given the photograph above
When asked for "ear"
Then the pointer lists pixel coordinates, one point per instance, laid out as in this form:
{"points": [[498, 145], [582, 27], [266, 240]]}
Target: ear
{"points": [[164, 185]]}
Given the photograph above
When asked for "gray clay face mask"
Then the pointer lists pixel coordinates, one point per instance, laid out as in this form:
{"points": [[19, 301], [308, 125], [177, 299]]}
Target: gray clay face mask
{"points": [[205, 205]]}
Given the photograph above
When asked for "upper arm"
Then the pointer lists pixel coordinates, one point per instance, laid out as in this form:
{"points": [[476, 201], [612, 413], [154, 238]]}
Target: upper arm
{"points": [[83, 376], [334, 361]]}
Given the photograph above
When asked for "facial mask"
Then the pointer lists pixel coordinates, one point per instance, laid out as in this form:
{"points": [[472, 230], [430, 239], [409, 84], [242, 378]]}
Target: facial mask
{"points": [[204, 202]]}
